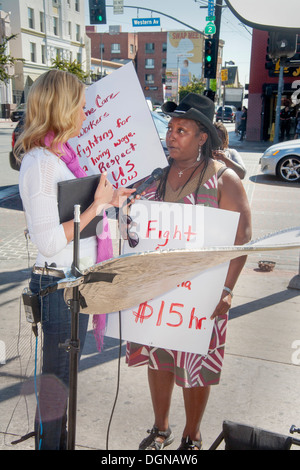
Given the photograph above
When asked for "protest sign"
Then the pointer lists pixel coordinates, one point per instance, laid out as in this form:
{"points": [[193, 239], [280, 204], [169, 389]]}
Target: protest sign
{"points": [[180, 318], [119, 135]]}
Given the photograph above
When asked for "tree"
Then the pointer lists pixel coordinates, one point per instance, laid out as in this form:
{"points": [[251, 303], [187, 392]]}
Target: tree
{"points": [[194, 86], [72, 67], [6, 60]]}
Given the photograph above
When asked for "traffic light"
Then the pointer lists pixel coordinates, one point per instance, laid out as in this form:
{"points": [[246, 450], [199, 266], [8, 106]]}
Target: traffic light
{"points": [[282, 45], [97, 11], [210, 94], [210, 58]]}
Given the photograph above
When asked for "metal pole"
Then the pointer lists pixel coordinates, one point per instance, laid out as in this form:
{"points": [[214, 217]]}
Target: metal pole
{"points": [[278, 105], [74, 344]]}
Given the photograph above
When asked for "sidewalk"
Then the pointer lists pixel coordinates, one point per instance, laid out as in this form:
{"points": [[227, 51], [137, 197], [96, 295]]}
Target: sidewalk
{"points": [[260, 379]]}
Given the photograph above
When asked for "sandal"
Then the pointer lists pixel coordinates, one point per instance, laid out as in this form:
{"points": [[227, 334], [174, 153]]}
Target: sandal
{"points": [[188, 444], [150, 442]]}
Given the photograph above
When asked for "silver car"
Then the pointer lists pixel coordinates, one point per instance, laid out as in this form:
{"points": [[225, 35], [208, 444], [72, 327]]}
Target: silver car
{"points": [[282, 160]]}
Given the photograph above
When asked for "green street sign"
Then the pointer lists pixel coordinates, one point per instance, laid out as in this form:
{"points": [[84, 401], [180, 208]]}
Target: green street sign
{"points": [[210, 28]]}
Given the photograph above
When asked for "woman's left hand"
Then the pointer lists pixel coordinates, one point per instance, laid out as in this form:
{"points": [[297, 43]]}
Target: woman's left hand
{"points": [[223, 305]]}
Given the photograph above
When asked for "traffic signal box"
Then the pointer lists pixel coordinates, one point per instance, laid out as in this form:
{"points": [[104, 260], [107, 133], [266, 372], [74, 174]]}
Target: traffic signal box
{"points": [[210, 58], [97, 11], [282, 47]]}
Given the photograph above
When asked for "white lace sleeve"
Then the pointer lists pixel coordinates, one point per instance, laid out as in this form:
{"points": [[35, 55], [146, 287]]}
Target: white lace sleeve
{"points": [[38, 188]]}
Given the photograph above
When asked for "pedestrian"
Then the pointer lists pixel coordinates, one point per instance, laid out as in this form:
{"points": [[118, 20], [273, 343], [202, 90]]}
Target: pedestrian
{"points": [[192, 177], [230, 157], [55, 113], [285, 121], [243, 124], [238, 120]]}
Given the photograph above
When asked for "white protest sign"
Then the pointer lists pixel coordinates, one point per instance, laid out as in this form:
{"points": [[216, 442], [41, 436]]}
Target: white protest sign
{"points": [[180, 318], [119, 135]]}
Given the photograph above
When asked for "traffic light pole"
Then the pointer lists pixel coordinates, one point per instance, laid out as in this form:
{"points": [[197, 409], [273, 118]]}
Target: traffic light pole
{"points": [[278, 105]]}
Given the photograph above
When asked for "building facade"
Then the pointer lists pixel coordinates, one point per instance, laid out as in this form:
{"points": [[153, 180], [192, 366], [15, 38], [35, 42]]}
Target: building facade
{"points": [[163, 60], [45, 29], [263, 89]]}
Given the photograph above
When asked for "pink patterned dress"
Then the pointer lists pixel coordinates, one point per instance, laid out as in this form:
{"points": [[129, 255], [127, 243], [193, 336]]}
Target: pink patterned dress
{"points": [[189, 369]]}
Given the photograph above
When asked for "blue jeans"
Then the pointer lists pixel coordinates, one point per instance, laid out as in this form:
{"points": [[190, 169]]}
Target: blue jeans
{"points": [[51, 415]]}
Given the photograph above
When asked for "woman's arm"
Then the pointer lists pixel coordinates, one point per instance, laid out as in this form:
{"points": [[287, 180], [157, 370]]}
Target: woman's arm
{"points": [[232, 197]]}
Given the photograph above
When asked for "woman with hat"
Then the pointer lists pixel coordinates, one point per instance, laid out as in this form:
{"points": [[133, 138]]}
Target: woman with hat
{"points": [[192, 177]]}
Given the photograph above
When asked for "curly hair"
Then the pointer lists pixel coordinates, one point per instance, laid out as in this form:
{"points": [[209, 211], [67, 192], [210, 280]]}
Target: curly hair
{"points": [[52, 106]]}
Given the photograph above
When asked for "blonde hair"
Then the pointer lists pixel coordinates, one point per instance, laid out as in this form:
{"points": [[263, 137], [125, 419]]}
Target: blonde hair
{"points": [[53, 105]]}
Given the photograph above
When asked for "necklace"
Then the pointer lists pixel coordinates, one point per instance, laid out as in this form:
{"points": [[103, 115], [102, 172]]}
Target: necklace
{"points": [[180, 173]]}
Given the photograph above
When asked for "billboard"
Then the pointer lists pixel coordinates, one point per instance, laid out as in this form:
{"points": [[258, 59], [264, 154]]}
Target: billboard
{"points": [[184, 60]]}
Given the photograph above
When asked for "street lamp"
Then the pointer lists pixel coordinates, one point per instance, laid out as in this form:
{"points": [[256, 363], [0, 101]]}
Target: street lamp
{"points": [[230, 62]]}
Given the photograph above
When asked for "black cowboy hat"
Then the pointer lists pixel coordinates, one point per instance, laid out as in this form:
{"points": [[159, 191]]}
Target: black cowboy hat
{"points": [[196, 107]]}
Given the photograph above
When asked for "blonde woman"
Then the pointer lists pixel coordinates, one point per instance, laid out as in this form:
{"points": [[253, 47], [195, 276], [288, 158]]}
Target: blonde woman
{"points": [[54, 114]]}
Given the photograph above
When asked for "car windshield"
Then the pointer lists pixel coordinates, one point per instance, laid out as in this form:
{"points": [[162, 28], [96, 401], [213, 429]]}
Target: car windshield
{"points": [[161, 125]]}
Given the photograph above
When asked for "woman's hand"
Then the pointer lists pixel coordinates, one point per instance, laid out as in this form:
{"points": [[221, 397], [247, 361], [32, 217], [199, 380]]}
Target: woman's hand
{"points": [[223, 305], [106, 195]]}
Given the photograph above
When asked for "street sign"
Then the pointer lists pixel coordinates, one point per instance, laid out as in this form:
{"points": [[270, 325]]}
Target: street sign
{"points": [[210, 28], [145, 21], [118, 7], [224, 75]]}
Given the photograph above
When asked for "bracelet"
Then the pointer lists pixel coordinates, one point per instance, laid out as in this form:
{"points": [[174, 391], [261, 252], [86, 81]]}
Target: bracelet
{"points": [[228, 290]]}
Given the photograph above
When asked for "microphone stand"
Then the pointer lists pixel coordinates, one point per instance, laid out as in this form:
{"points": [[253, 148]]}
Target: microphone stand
{"points": [[74, 343]]}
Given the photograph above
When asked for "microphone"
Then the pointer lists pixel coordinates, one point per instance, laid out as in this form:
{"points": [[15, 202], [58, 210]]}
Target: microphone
{"points": [[155, 175]]}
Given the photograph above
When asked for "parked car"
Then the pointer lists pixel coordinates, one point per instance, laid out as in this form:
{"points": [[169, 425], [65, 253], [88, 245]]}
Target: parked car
{"points": [[229, 113], [18, 113], [282, 160], [161, 125]]}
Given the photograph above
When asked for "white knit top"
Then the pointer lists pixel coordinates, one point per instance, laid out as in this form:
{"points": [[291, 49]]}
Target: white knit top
{"points": [[40, 172]]}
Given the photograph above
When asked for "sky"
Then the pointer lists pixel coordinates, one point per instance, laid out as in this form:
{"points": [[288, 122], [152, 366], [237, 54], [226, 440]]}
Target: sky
{"points": [[237, 36]]}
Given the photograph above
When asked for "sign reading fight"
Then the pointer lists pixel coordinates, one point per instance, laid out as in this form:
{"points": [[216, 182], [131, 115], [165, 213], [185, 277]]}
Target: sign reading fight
{"points": [[119, 135], [180, 318]]}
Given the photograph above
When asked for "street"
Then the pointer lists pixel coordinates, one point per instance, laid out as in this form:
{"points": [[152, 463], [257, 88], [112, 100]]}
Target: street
{"points": [[261, 376]]}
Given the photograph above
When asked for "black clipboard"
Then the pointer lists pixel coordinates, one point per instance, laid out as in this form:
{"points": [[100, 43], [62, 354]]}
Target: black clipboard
{"points": [[78, 191]]}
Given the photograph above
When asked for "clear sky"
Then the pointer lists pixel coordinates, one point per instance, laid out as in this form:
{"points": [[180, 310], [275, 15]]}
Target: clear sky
{"points": [[237, 36]]}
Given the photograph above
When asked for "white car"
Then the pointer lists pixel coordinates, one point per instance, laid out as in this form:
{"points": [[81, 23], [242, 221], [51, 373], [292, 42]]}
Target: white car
{"points": [[282, 160]]}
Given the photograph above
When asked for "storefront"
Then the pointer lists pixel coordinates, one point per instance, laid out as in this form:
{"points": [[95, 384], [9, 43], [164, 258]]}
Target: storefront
{"points": [[263, 90]]}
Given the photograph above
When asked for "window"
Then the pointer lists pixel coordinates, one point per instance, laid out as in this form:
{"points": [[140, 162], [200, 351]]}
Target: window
{"points": [[42, 22], [30, 18], [70, 29], [149, 63], [149, 78], [115, 49], [78, 32], [76, 5], [33, 52], [149, 47], [164, 47], [55, 26], [43, 53]]}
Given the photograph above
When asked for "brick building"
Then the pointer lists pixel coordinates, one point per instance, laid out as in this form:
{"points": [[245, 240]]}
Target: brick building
{"points": [[158, 56]]}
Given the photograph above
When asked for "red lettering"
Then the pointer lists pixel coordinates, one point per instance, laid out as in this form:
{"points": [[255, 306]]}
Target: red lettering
{"points": [[149, 229], [198, 321], [189, 233], [177, 313], [140, 314]]}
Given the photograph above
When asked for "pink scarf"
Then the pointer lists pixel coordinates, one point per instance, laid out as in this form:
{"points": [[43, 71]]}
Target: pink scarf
{"points": [[104, 242]]}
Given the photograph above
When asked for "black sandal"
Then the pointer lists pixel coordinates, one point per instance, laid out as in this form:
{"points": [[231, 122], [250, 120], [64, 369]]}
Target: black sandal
{"points": [[150, 442], [188, 444]]}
